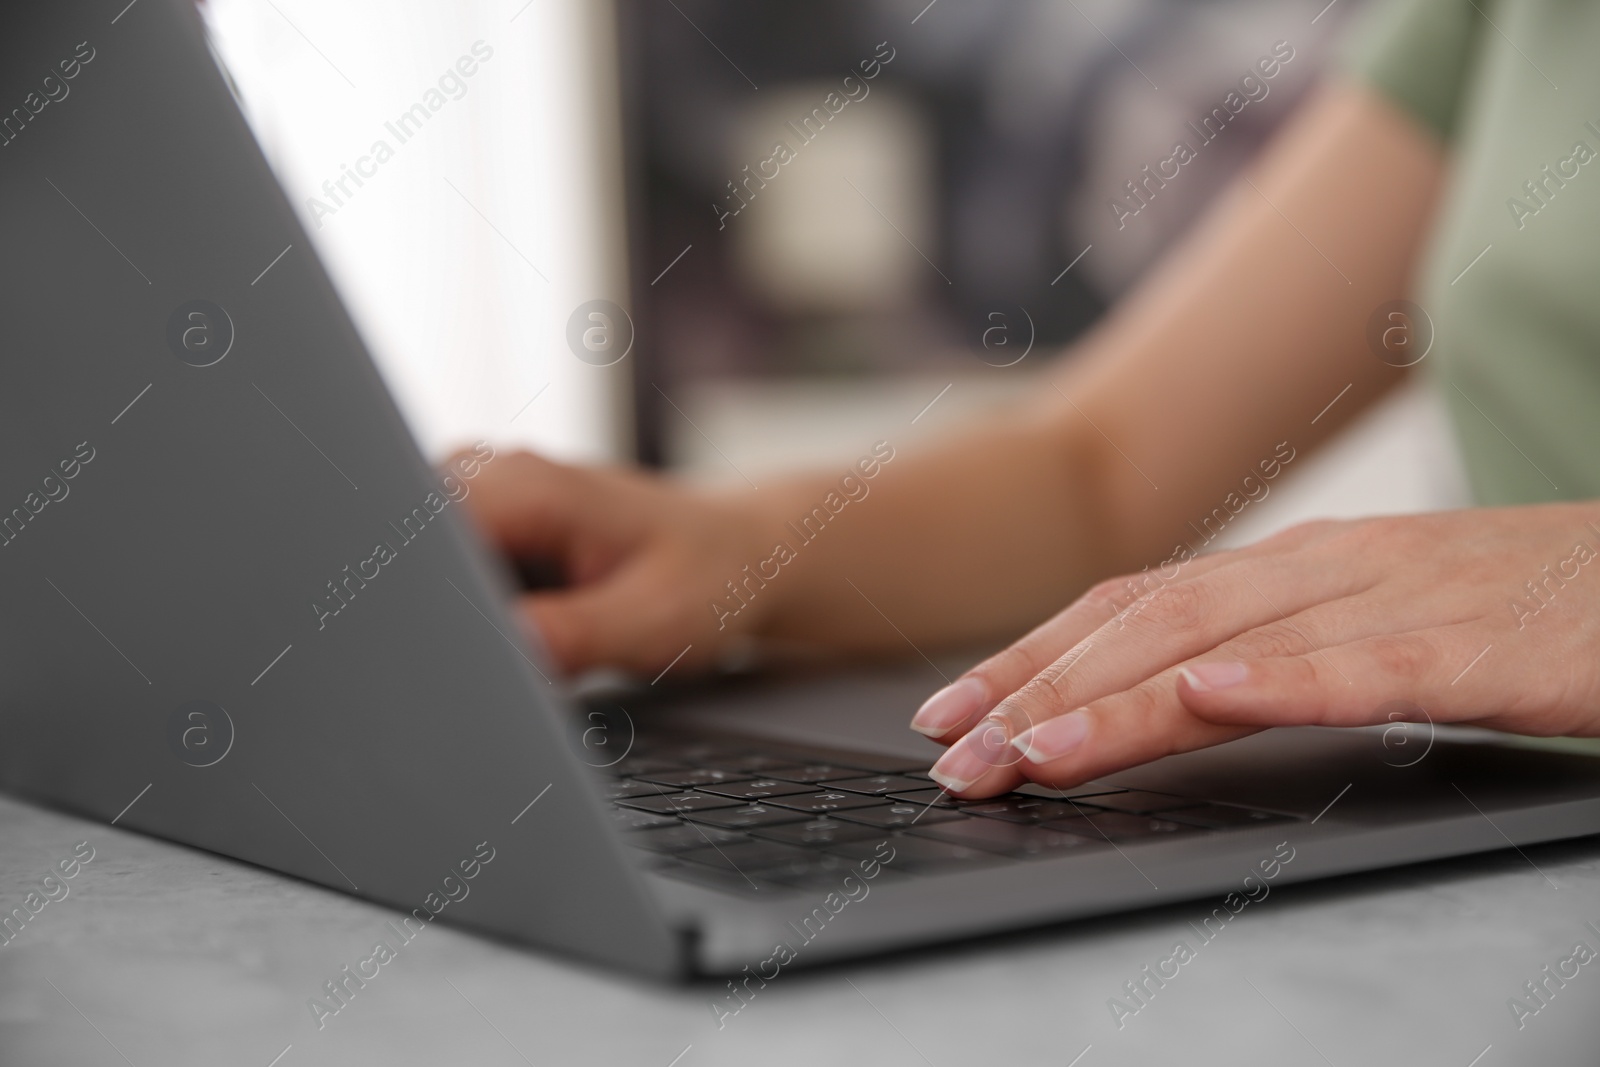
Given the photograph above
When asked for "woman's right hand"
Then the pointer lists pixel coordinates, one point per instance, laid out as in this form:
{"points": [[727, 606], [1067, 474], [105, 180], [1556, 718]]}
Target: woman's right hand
{"points": [[642, 560]]}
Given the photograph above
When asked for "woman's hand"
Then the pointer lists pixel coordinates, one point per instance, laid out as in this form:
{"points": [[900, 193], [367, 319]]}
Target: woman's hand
{"points": [[1489, 617], [642, 558]]}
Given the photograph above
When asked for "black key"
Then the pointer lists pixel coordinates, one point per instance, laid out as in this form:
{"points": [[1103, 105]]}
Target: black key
{"points": [[1087, 789], [687, 779], [901, 815], [681, 836], [682, 803], [758, 789], [936, 797], [812, 772], [916, 853], [753, 764], [627, 788], [747, 816], [1225, 816], [1117, 826], [1008, 839], [816, 833], [727, 881], [825, 802], [1139, 802], [747, 856], [1021, 809], [878, 785], [629, 819]]}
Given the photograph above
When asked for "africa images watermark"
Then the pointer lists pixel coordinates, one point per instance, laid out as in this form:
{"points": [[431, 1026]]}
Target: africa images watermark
{"points": [[808, 129], [1541, 990], [1140, 191], [1400, 333], [52, 888], [55, 490], [402, 128], [1543, 189], [342, 590], [1140, 991], [742, 590], [1253, 489], [1541, 592], [851, 890], [342, 988], [53, 89]]}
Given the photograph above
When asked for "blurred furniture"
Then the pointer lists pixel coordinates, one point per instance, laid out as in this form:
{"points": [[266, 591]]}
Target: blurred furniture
{"points": [[971, 175]]}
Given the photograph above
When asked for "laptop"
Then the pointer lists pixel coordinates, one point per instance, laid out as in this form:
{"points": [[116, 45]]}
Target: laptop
{"points": [[243, 613]]}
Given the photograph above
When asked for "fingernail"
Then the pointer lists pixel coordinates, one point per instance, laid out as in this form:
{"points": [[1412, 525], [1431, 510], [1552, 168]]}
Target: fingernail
{"points": [[950, 707], [1053, 739], [970, 757], [1204, 677]]}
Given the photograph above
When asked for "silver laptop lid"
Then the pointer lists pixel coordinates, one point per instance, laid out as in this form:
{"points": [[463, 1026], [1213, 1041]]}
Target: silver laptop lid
{"points": [[240, 609]]}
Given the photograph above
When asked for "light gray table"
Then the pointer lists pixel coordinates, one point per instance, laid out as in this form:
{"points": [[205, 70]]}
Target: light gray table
{"points": [[162, 956]]}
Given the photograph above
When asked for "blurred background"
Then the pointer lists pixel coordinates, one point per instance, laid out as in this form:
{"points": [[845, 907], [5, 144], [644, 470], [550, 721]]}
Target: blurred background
{"points": [[936, 213], [594, 246]]}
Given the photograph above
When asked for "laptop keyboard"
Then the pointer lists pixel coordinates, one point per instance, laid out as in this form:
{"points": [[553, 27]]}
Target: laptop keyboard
{"points": [[754, 817]]}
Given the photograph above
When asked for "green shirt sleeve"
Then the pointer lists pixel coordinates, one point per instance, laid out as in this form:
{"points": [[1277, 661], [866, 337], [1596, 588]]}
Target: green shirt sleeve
{"points": [[1419, 55]]}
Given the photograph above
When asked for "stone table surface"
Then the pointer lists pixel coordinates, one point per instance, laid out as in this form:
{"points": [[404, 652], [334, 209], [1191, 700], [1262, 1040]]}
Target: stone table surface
{"points": [[163, 955]]}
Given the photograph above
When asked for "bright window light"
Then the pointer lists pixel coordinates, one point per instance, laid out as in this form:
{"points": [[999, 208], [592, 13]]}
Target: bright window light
{"points": [[457, 168]]}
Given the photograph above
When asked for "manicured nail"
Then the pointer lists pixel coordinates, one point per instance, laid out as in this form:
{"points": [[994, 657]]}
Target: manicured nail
{"points": [[1204, 677], [1053, 739], [950, 707], [971, 757]]}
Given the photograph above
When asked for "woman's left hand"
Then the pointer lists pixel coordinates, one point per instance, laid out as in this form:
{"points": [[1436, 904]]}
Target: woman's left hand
{"points": [[1489, 617]]}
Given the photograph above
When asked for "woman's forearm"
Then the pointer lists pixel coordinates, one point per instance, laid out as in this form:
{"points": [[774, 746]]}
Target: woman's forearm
{"points": [[1219, 361], [948, 544]]}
